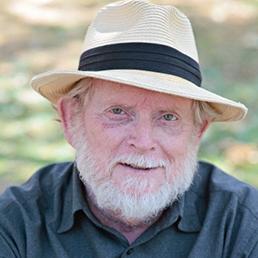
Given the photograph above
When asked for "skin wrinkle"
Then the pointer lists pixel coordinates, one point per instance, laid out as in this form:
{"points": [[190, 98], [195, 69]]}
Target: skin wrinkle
{"points": [[122, 196], [116, 220], [83, 90]]}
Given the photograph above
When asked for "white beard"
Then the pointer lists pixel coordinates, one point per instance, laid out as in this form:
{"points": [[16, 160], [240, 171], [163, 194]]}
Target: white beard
{"points": [[141, 205]]}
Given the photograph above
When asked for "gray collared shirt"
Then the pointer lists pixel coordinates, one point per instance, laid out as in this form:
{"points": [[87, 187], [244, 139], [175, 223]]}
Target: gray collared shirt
{"points": [[48, 216]]}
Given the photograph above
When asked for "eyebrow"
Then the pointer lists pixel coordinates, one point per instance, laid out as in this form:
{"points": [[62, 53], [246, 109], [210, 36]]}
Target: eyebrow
{"points": [[170, 107]]}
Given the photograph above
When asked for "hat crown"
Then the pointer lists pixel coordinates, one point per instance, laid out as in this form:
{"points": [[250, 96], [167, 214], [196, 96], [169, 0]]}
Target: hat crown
{"points": [[138, 21], [142, 45]]}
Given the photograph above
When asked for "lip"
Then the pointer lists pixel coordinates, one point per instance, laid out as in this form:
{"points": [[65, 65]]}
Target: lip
{"points": [[135, 168]]}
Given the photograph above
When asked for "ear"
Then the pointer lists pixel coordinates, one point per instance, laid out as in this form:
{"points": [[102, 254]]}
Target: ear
{"points": [[66, 113], [202, 129]]}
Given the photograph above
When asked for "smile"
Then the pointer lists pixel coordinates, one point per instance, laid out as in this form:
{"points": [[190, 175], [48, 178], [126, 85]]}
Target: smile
{"points": [[136, 167]]}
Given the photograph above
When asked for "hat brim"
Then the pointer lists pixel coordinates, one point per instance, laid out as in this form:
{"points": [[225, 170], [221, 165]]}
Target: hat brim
{"points": [[54, 84]]}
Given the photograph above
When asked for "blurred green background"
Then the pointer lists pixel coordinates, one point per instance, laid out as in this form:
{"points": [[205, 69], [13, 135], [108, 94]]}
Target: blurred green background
{"points": [[41, 35]]}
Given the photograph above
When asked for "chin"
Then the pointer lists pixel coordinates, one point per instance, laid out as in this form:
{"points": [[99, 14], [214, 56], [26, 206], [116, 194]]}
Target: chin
{"points": [[134, 199]]}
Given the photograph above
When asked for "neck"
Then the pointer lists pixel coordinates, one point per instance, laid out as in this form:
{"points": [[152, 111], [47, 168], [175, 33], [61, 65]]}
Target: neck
{"points": [[130, 229]]}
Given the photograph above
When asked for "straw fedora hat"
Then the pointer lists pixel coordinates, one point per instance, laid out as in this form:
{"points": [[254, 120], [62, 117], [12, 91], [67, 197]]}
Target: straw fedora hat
{"points": [[142, 45]]}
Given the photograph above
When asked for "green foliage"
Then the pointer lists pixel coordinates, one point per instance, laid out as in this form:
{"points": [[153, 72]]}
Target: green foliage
{"points": [[37, 36]]}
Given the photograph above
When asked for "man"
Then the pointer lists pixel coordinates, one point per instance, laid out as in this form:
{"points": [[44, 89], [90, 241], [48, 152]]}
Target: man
{"points": [[135, 113]]}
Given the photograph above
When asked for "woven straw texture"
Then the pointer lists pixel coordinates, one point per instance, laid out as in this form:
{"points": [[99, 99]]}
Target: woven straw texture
{"points": [[138, 21]]}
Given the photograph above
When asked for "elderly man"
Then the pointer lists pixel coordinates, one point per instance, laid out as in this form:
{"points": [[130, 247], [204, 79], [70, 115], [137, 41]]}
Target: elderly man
{"points": [[135, 113]]}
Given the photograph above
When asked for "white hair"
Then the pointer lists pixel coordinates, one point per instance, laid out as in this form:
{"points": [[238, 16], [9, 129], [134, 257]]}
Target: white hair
{"points": [[105, 194], [138, 206], [84, 88]]}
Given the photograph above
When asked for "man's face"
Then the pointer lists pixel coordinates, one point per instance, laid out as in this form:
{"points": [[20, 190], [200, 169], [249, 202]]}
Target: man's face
{"points": [[138, 141]]}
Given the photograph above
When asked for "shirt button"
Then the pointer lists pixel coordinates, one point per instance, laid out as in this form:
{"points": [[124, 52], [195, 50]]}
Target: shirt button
{"points": [[129, 251]]}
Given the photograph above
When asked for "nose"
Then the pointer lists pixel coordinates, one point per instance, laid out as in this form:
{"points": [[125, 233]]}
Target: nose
{"points": [[142, 136]]}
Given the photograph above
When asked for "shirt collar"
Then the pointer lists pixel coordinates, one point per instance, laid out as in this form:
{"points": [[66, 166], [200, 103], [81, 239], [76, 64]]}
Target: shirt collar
{"points": [[183, 214], [194, 204], [74, 200], [189, 220], [185, 209]]}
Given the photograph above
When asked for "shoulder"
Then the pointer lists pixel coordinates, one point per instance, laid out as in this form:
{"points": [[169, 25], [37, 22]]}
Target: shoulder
{"points": [[24, 208], [223, 197], [215, 181], [227, 209], [231, 206], [46, 179], [216, 191], [35, 193], [232, 203]]}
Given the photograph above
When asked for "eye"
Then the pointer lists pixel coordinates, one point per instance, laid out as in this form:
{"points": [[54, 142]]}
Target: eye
{"points": [[117, 111], [169, 117]]}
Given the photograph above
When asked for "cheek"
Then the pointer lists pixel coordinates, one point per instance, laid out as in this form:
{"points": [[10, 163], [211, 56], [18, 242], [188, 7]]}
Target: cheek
{"points": [[176, 150], [105, 143], [174, 147], [183, 140]]}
